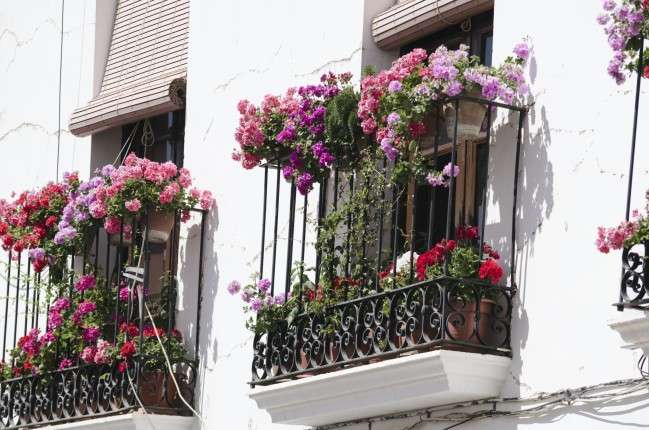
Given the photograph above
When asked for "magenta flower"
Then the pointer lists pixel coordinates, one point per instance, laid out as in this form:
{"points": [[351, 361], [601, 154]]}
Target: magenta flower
{"points": [[84, 283], [234, 287], [91, 334], [65, 363]]}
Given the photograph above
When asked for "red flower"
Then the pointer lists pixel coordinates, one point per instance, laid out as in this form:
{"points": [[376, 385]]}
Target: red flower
{"points": [[417, 129], [7, 242], [19, 246], [384, 274], [27, 365], [50, 221], [490, 269], [130, 329], [433, 256], [645, 4], [490, 251], [177, 334], [39, 265], [151, 332], [4, 228], [646, 68], [127, 350], [466, 233], [122, 366]]}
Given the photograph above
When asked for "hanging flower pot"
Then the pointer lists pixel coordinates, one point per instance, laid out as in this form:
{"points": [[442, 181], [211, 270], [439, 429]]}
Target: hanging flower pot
{"points": [[152, 386], [471, 118], [461, 323], [160, 226]]}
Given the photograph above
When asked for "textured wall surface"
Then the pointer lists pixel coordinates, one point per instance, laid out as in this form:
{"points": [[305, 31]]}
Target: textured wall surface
{"points": [[573, 174]]}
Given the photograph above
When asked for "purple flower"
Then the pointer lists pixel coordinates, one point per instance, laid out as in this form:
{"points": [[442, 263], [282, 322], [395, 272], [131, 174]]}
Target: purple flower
{"points": [[422, 90], [124, 294], [107, 170], [256, 304], [609, 5], [390, 151], [393, 118], [84, 283], [450, 170], [394, 86], [279, 299], [522, 50], [65, 363], [91, 334], [60, 304], [602, 19], [37, 254], [263, 285], [287, 172], [491, 88], [48, 337], [287, 134], [65, 235], [246, 295], [304, 183], [436, 180], [234, 287], [454, 88], [322, 153]]}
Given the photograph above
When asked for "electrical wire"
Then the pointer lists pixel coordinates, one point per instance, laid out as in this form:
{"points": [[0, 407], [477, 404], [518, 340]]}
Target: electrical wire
{"points": [[58, 131]]}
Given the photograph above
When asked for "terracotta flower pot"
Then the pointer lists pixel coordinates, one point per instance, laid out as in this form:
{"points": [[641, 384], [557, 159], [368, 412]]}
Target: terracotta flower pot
{"points": [[461, 323], [151, 389], [160, 226], [470, 117]]}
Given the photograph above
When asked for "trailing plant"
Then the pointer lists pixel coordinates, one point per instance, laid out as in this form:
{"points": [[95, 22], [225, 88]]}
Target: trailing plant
{"points": [[626, 23]]}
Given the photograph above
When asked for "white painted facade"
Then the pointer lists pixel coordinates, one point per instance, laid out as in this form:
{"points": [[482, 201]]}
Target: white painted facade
{"points": [[573, 173]]}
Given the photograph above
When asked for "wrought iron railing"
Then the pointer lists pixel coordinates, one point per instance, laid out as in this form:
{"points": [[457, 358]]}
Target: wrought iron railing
{"points": [[372, 321], [80, 390]]}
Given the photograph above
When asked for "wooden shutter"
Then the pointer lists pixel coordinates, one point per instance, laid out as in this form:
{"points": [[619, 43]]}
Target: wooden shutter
{"points": [[408, 21], [146, 69]]}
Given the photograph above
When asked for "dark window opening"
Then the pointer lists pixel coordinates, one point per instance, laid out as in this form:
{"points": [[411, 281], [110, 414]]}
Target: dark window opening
{"points": [[160, 138]]}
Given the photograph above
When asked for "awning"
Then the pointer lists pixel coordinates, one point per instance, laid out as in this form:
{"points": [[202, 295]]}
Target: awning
{"points": [[146, 69], [410, 20]]}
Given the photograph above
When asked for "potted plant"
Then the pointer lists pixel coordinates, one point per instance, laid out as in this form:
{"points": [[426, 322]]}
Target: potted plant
{"points": [[460, 259], [397, 103], [306, 131]]}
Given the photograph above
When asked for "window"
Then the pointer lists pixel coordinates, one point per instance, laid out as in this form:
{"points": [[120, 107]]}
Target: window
{"points": [[477, 33]]}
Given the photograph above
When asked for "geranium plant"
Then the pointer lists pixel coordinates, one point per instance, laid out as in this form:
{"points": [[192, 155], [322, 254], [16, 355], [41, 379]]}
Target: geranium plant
{"points": [[306, 130], [395, 102], [627, 233], [625, 23]]}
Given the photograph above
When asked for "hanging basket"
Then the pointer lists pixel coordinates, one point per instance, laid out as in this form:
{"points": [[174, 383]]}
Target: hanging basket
{"points": [[160, 226], [471, 118]]}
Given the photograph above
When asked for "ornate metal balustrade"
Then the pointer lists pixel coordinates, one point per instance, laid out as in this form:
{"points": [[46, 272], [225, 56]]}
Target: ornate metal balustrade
{"points": [[634, 291], [375, 322], [441, 313], [86, 391]]}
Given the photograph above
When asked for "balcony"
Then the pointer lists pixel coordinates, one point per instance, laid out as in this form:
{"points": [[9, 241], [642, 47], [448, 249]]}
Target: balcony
{"points": [[107, 361], [388, 302]]}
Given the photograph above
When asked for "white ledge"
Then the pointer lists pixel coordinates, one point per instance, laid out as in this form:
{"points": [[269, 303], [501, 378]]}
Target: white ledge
{"points": [[401, 384], [130, 421], [633, 327]]}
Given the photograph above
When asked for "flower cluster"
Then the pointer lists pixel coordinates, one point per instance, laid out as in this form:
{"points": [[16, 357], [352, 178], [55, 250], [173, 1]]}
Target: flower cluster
{"points": [[443, 178], [291, 129], [30, 222], [395, 102], [263, 307], [625, 24], [58, 219], [627, 233], [462, 258]]}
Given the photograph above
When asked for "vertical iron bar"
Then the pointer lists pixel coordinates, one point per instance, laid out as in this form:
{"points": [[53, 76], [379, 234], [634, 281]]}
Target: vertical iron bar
{"points": [[29, 266], [379, 248], [322, 210], [451, 189], [291, 234], [4, 336], [299, 297], [433, 190], [332, 244], [277, 184], [635, 127], [412, 230], [200, 284], [172, 290], [395, 245], [96, 268], [483, 215], [263, 224], [512, 272], [349, 227], [141, 294], [17, 299], [119, 277], [36, 297]]}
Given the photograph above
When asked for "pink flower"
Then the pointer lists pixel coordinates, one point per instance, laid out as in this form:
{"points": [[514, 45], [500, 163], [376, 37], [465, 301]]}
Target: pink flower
{"points": [[88, 354], [206, 200], [97, 210], [133, 205], [84, 283], [91, 334], [65, 363], [103, 352]]}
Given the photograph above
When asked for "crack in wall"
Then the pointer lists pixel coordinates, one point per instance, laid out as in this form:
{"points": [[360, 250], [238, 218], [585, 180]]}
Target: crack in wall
{"points": [[328, 64], [31, 126], [20, 43]]}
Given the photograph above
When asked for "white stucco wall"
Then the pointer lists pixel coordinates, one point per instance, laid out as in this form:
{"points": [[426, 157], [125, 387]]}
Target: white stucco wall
{"points": [[30, 37], [573, 173], [573, 178]]}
